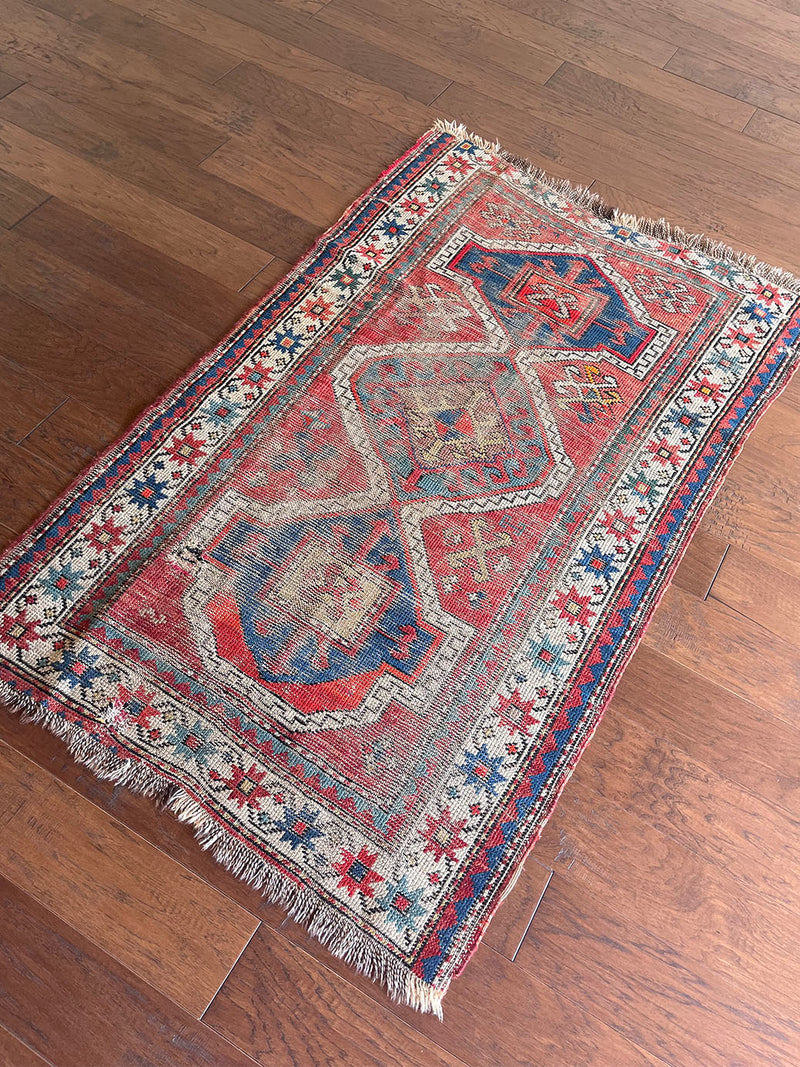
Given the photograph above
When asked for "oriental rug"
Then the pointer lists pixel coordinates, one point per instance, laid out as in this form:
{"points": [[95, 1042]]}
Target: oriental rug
{"points": [[352, 596]]}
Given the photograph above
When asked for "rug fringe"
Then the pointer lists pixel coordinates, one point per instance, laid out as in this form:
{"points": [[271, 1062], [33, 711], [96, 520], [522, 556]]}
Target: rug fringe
{"points": [[336, 932], [660, 228]]}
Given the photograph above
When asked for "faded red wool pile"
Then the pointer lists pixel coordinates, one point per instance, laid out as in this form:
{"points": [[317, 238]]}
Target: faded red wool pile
{"points": [[351, 598]]}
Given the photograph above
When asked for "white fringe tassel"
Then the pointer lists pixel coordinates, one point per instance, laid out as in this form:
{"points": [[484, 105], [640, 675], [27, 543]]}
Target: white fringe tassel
{"points": [[658, 228], [336, 932]]}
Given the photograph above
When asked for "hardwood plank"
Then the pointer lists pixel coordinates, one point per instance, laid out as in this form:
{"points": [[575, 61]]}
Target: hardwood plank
{"points": [[256, 1009], [544, 142], [172, 230], [77, 1006], [24, 402], [412, 24], [205, 61], [138, 813], [619, 157], [626, 974], [640, 114], [64, 356], [253, 29], [398, 119], [739, 654], [791, 394], [17, 199], [158, 93], [762, 592], [723, 217], [309, 7], [754, 513], [747, 837], [758, 506], [562, 28], [697, 25], [303, 76], [71, 436], [296, 189], [350, 1022], [700, 564], [713, 921], [285, 150], [509, 925], [266, 279], [6, 536], [774, 129], [360, 93], [8, 83], [160, 281], [741, 84], [14, 1054], [670, 89], [27, 485], [158, 919], [773, 10], [746, 744], [780, 38], [89, 303], [473, 55], [142, 116], [221, 211], [752, 16]]}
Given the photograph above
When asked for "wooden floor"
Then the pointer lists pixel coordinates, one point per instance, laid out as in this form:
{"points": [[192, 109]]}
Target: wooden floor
{"points": [[162, 163]]}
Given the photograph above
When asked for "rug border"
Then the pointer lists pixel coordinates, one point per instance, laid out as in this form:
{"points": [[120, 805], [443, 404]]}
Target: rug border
{"points": [[338, 934]]}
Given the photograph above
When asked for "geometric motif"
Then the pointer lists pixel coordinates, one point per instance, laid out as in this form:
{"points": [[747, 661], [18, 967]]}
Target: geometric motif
{"points": [[326, 600], [454, 428], [555, 300], [587, 390], [352, 596]]}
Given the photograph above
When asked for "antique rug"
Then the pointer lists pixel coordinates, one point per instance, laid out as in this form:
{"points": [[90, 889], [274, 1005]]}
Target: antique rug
{"points": [[351, 598]]}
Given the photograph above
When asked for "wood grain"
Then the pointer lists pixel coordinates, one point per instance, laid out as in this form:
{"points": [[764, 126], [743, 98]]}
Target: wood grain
{"points": [[719, 216], [700, 563], [160, 281], [13, 1053], [738, 739], [27, 485], [763, 592], [337, 1023], [164, 923], [26, 400], [204, 61], [684, 799], [631, 979], [75, 1006], [154, 122], [18, 198], [71, 436], [158, 827], [492, 987], [171, 230], [656, 880], [738, 84], [72, 360], [683, 629], [782, 132], [8, 83], [262, 29], [512, 919]]}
